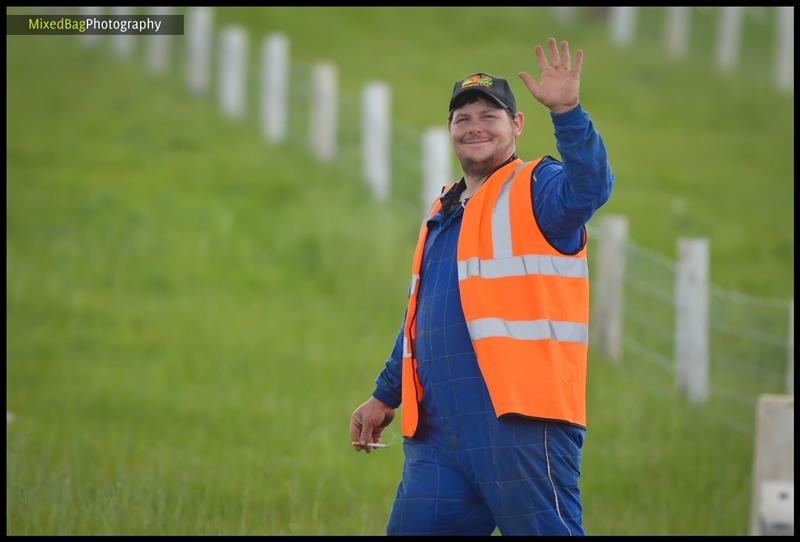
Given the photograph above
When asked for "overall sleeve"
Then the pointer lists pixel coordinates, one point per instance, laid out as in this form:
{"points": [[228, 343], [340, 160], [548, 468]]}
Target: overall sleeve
{"points": [[566, 194], [388, 382]]}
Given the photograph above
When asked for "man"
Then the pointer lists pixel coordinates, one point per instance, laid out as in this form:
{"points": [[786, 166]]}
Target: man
{"points": [[490, 363]]}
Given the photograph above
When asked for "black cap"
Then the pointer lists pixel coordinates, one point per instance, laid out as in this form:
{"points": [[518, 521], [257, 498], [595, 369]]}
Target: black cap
{"points": [[494, 87]]}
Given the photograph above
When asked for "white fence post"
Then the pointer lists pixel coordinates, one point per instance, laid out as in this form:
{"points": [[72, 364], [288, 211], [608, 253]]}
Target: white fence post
{"points": [[623, 24], [436, 163], [691, 318], [158, 46], [608, 290], [198, 42], [122, 44], [784, 57], [677, 33], [324, 103], [274, 87], [86, 38], [375, 137], [232, 70], [771, 505], [790, 352], [729, 37]]}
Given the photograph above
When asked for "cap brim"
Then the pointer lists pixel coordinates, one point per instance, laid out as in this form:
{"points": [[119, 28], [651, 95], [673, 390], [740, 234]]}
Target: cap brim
{"points": [[479, 90]]}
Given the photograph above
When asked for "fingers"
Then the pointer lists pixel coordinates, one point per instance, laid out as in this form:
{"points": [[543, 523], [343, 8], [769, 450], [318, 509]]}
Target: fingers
{"points": [[578, 61], [540, 58], [360, 429], [365, 438], [367, 424], [529, 82], [551, 44], [558, 59], [355, 433]]}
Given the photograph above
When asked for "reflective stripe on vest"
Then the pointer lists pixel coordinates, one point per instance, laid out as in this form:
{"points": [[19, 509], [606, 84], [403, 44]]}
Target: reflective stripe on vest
{"points": [[532, 330], [413, 285], [525, 304], [530, 264]]}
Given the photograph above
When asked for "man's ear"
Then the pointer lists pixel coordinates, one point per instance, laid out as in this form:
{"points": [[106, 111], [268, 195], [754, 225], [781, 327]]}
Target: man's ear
{"points": [[517, 123]]}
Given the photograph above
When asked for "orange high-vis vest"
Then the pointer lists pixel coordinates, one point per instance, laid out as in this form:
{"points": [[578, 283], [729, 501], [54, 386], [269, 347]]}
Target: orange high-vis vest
{"points": [[526, 306]]}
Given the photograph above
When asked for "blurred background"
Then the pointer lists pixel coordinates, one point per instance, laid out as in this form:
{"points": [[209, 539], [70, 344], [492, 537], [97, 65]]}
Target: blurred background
{"points": [[199, 292]]}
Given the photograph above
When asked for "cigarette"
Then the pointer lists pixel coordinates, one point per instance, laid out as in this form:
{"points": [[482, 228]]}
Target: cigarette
{"points": [[375, 444]]}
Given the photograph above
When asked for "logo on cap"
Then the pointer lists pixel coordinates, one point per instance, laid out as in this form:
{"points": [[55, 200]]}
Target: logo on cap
{"points": [[481, 80]]}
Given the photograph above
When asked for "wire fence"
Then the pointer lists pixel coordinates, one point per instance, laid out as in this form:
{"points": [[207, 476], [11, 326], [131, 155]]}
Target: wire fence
{"points": [[750, 342]]}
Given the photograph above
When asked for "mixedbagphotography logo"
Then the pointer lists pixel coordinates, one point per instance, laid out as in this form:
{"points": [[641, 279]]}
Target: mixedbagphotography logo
{"points": [[94, 24]]}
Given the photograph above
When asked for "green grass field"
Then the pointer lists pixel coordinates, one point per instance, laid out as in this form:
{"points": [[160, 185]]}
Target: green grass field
{"points": [[191, 318]]}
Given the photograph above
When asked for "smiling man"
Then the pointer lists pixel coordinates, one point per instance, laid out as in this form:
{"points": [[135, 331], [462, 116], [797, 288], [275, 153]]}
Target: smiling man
{"points": [[489, 365]]}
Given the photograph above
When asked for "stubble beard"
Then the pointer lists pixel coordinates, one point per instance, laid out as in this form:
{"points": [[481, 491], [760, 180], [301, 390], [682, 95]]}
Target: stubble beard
{"points": [[473, 168], [480, 169]]}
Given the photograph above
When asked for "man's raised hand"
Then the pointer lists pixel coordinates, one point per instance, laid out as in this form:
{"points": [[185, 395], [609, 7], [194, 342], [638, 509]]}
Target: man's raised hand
{"points": [[560, 81]]}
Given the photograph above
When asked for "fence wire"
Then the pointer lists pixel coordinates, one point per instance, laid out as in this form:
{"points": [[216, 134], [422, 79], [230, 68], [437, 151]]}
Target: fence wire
{"points": [[750, 346]]}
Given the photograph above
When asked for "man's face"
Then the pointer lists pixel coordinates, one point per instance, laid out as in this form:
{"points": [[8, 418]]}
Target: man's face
{"points": [[483, 136]]}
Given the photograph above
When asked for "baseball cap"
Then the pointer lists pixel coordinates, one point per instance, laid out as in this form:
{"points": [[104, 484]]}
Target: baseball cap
{"points": [[492, 86]]}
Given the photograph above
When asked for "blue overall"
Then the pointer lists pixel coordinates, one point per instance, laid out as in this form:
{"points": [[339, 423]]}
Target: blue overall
{"points": [[466, 471]]}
